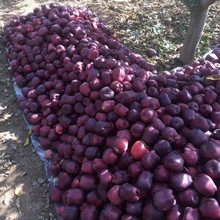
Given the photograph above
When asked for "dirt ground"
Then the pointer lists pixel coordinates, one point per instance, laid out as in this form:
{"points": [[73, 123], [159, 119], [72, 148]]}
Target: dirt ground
{"points": [[23, 184]]}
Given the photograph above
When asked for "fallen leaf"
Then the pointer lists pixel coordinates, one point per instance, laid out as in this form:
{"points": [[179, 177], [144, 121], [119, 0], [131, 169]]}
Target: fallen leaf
{"points": [[27, 142], [30, 131], [19, 190], [18, 203], [40, 180], [213, 77], [23, 174]]}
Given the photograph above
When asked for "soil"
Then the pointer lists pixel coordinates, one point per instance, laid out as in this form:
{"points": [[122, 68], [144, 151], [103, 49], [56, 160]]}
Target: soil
{"points": [[23, 184]]}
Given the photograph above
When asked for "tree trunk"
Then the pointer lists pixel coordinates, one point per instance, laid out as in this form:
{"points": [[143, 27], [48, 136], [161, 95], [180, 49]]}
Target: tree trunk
{"points": [[197, 22]]}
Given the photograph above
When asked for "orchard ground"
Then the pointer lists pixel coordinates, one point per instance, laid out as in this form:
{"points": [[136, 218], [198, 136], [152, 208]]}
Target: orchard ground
{"points": [[158, 24]]}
